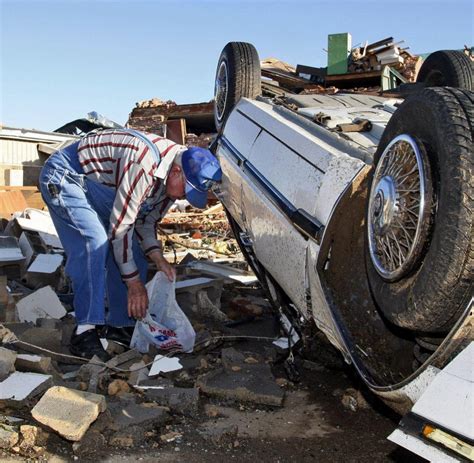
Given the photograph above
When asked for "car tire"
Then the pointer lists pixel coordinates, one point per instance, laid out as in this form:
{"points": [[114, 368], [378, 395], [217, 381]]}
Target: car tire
{"points": [[238, 76], [447, 68], [435, 286]]}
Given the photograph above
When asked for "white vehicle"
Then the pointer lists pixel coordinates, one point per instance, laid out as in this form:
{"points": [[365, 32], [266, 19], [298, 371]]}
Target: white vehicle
{"points": [[355, 212]]}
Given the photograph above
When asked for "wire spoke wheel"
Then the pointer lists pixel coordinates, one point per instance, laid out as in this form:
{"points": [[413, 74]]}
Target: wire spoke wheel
{"points": [[221, 89], [399, 208]]}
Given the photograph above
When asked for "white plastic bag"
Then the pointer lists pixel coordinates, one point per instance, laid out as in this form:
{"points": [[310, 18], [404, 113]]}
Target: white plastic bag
{"points": [[165, 324]]}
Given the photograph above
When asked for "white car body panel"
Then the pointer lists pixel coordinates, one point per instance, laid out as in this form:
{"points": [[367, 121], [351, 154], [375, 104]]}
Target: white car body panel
{"points": [[447, 402], [418, 447], [308, 172], [449, 399]]}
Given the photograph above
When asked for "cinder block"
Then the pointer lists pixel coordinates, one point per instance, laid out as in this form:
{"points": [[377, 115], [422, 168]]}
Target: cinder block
{"points": [[69, 412]]}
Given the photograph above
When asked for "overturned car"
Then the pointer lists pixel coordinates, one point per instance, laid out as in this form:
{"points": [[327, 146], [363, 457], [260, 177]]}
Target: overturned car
{"points": [[355, 212]]}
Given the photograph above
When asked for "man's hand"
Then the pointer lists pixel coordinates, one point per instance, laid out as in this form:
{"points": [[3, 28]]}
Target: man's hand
{"points": [[137, 299], [163, 265]]}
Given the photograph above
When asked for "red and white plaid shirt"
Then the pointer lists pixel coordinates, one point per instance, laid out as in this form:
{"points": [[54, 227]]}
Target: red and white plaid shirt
{"points": [[122, 161]]}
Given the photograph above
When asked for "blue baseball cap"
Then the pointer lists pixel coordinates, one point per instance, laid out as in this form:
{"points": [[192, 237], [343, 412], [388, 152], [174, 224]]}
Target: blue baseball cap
{"points": [[201, 170]]}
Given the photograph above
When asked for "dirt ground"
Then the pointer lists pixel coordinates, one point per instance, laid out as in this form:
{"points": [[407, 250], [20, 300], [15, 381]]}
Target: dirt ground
{"points": [[317, 422]]}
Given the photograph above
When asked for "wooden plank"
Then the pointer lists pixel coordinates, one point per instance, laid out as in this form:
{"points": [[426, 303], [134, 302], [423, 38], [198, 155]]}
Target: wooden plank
{"points": [[10, 202], [353, 76], [176, 130], [31, 195], [35, 200], [17, 188]]}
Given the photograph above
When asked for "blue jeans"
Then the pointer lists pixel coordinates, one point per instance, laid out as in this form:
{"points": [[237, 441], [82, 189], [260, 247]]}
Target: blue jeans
{"points": [[80, 209]]}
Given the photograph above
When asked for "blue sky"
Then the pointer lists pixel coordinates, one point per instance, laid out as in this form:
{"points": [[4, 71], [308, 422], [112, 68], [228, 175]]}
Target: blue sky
{"points": [[62, 59]]}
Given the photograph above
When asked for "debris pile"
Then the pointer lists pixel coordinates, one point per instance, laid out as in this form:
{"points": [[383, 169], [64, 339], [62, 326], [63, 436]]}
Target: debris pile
{"points": [[187, 124], [369, 68], [372, 57], [49, 398]]}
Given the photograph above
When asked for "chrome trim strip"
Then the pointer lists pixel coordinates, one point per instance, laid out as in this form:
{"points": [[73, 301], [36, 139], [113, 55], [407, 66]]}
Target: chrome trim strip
{"points": [[304, 222]]}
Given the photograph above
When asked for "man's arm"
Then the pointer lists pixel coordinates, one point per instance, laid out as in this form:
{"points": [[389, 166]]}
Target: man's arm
{"points": [[132, 189], [146, 232]]}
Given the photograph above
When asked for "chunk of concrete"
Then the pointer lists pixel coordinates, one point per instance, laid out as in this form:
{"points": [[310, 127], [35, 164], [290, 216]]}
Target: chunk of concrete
{"points": [[44, 338], [49, 323], [20, 387], [184, 401], [43, 303], [46, 263], [8, 436], [231, 357], [33, 363], [7, 362], [131, 414], [249, 383], [68, 412], [131, 356], [32, 437], [139, 372], [10, 251], [92, 373]]}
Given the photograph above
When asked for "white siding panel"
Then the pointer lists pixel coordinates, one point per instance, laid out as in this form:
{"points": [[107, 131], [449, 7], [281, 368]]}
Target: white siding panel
{"points": [[15, 152]]}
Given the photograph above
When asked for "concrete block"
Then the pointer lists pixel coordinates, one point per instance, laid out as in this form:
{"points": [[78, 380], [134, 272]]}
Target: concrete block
{"points": [[68, 412], [20, 387], [43, 303], [33, 363], [7, 362]]}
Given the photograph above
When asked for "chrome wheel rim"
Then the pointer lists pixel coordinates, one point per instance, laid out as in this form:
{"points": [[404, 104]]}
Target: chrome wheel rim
{"points": [[220, 89], [398, 204]]}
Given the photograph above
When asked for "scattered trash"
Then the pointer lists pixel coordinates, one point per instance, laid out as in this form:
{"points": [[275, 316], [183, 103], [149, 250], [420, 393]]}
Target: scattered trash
{"points": [[291, 339]]}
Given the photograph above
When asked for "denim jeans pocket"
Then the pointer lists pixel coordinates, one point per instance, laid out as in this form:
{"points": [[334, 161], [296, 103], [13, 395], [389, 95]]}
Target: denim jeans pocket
{"points": [[78, 179], [51, 185]]}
